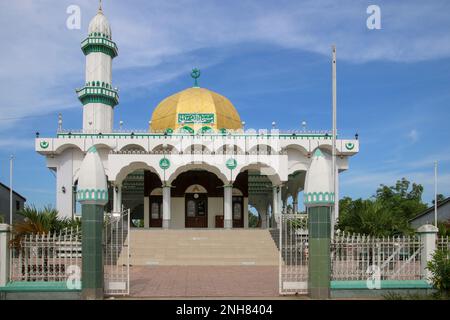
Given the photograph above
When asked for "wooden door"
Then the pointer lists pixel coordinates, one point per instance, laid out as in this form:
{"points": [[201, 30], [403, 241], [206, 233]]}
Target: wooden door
{"points": [[156, 211], [196, 210], [238, 212]]}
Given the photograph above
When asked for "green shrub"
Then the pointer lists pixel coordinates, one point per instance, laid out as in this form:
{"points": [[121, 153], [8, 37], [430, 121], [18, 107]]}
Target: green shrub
{"points": [[439, 267]]}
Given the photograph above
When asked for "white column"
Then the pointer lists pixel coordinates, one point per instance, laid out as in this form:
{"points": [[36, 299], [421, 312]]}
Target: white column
{"points": [[428, 235], [115, 199], [280, 203], [146, 212], [295, 203], [275, 204], [4, 254], [228, 207], [166, 207], [263, 215], [119, 199]]}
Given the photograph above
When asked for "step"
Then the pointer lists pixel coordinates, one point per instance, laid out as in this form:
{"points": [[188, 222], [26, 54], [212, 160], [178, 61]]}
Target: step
{"points": [[202, 247]]}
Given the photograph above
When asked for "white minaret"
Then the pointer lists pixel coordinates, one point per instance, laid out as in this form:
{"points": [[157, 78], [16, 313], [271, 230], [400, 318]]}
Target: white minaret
{"points": [[98, 96]]}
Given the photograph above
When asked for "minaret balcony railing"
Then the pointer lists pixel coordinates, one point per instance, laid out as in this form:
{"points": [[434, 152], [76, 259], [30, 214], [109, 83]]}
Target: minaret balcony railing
{"points": [[94, 94], [99, 44]]}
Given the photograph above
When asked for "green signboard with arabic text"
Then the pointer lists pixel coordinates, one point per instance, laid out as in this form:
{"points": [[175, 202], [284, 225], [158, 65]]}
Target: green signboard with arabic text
{"points": [[187, 118]]}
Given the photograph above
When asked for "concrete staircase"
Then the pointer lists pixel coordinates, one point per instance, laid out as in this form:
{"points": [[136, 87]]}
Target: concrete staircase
{"points": [[202, 247]]}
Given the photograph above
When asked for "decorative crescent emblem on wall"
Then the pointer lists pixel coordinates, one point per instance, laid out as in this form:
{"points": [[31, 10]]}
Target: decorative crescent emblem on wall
{"points": [[349, 146], [44, 144], [164, 163], [231, 164]]}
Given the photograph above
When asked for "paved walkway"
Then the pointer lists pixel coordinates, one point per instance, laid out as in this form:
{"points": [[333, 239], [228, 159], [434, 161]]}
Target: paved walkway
{"points": [[203, 281]]}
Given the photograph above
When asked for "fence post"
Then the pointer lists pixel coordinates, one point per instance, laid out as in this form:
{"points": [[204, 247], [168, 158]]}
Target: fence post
{"points": [[4, 254], [428, 234]]}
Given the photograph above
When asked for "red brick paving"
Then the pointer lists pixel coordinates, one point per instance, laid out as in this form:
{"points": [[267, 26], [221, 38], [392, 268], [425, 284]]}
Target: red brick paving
{"points": [[203, 281]]}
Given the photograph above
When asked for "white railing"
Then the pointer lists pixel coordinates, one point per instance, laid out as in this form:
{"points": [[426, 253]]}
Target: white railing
{"points": [[357, 257], [46, 257], [116, 244], [443, 243], [293, 245]]}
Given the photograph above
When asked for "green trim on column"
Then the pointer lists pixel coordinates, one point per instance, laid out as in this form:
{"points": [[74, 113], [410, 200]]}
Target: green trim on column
{"points": [[92, 251], [318, 198], [92, 195], [319, 269]]}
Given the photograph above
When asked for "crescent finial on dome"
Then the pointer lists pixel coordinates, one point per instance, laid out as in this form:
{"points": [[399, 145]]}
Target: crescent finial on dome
{"points": [[195, 74]]}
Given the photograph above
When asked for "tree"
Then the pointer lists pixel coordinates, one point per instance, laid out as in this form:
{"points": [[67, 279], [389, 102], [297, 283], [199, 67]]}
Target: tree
{"points": [[253, 220], [400, 199], [440, 197], [386, 213], [370, 217], [40, 221]]}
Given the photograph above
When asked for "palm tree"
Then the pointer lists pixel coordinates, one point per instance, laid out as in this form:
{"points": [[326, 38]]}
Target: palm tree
{"points": [[40, 221]]}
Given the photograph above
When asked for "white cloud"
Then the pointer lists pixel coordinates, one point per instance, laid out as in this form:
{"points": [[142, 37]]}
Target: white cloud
{"points": [[413, 136], [15, 144]]}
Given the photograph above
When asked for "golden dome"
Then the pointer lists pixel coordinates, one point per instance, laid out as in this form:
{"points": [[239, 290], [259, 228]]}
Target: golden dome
{"points": [[196, 108]]}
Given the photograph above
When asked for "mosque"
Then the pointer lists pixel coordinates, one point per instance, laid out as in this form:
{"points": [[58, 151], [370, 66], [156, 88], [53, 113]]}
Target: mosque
{"points": [[195, 165]]}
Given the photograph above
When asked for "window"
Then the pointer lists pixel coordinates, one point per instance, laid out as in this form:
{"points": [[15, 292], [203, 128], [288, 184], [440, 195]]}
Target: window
{"points": [[17, 205], [155, 210], [191, 208]]}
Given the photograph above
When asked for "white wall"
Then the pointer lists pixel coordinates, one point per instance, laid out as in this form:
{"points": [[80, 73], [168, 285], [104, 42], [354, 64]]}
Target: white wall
{"points": [[177, 213], [66, 165], [215, 207]]}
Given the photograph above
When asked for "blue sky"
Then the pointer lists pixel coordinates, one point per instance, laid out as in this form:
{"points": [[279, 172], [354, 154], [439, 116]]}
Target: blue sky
{"points": [[270, 58]]}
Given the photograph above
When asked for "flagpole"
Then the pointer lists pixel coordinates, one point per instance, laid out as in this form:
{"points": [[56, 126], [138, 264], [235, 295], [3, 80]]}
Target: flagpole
{"points": [[435, 192], [336, 200], [11, 189]]}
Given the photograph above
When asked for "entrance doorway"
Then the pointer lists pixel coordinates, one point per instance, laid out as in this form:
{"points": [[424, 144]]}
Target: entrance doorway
{"points": [[196, 208]]}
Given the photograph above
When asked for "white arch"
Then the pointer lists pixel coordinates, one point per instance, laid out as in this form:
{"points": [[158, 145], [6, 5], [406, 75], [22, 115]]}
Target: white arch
{"points": [[67, 146], [133, 166], [262, 148], [195, 188], [198, 165], [296, 147], [170, 148], [265, 169], [197, 147], [230, 147], [132, 147]]}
